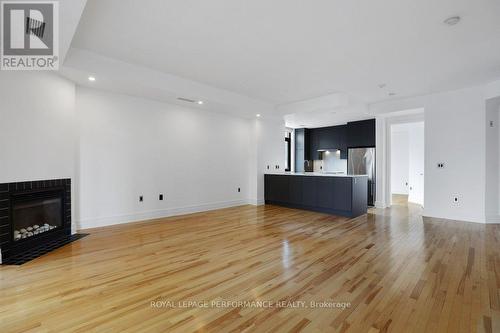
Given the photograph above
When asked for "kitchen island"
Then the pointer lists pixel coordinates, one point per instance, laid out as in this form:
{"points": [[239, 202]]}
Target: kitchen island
{"points": [[338, 194]]}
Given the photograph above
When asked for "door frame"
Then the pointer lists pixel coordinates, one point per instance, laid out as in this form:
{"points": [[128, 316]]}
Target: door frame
{"points": [[383, 153]]}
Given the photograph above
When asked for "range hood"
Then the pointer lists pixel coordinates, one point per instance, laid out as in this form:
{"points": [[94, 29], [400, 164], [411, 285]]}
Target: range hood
{"points": [[328, 149]]}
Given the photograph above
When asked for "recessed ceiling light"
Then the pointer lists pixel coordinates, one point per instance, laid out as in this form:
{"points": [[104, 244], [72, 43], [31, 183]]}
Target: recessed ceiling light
{"points": [[258, 115], [91, 78], [452, 20], [200, 102]]}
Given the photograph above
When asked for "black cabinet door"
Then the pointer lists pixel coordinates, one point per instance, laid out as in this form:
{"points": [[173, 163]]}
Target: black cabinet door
{"points": [[295, 190], [340, 139], [268, 187], [307, 144], [344, 154], [341, 193], [282, 188], [361, 133], [325, 191], [313, 144], [309, 191], [324, 137], [276, 188], [328, 138]]}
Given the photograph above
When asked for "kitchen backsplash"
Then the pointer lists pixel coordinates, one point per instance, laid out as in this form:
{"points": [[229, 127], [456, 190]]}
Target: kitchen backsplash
{"points": [[331, 162]]}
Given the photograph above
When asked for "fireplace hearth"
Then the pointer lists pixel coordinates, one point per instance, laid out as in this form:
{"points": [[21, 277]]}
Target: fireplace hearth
{"points": [[35, 217]]}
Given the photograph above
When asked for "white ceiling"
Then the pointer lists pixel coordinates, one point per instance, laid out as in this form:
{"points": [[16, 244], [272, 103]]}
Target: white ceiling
{"points": [[125, 78], [283, 51], [69, 16]]}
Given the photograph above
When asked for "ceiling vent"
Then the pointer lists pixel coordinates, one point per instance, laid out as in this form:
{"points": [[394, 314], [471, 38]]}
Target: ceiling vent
{"points": [[186, 99]]}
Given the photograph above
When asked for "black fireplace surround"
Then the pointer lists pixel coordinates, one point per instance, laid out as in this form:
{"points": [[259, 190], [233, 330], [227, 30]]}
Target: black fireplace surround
{"points": [[32, 214]]}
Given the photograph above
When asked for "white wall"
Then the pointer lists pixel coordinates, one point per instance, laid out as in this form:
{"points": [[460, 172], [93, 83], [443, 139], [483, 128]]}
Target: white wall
{"points": [[270, 141], [37, 127], [454, 135], [492, 204], [400, 160], [117, 147], [416, 163], [133, 146]]}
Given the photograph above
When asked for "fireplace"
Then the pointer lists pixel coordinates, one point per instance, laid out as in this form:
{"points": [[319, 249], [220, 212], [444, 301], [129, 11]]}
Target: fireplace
{"points": [[35, 213], [35, 217]]}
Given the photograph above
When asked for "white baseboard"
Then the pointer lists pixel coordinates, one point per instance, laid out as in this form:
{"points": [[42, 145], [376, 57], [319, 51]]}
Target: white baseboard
{"points": [[256, 202], [460, 218], [380, 204], [416, 203], [493, 219], [155, 214]]}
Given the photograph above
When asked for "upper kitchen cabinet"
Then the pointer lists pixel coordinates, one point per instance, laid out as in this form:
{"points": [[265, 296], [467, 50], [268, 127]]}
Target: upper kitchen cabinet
{"points": [[361, 133], [327, 138]]}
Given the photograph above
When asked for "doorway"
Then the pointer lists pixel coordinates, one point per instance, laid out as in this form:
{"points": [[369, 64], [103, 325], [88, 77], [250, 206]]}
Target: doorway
{"points": [[407, 163]]}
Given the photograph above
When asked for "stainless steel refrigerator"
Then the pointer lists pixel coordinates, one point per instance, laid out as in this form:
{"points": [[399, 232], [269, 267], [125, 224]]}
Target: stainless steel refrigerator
{"points": [[361, 161]]}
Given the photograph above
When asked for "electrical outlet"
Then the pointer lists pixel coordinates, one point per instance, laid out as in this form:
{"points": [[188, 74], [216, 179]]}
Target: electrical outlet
{"points": [[268, 167], [456, 200], [141, 198], [440, 165], [160, 197], [239, 189]]}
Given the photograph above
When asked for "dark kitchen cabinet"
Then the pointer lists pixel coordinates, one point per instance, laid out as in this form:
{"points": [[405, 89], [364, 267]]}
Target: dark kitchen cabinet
{"points": [[296, 190], [344, 154], [310, 143], [325, 192], [341, 199], [307, 147], [313, 144], [361, 134], [346, 196], [278, 188], [328, 138], [334, 193], [309, 193]]}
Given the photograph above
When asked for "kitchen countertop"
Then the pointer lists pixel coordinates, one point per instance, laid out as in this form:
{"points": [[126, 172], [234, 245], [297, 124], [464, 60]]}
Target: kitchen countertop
{"points": [[317, 174]]}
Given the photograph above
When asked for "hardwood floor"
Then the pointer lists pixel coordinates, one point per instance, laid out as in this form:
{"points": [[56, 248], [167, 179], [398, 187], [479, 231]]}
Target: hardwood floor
{"points": [[400, 199], [397, 272]]}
